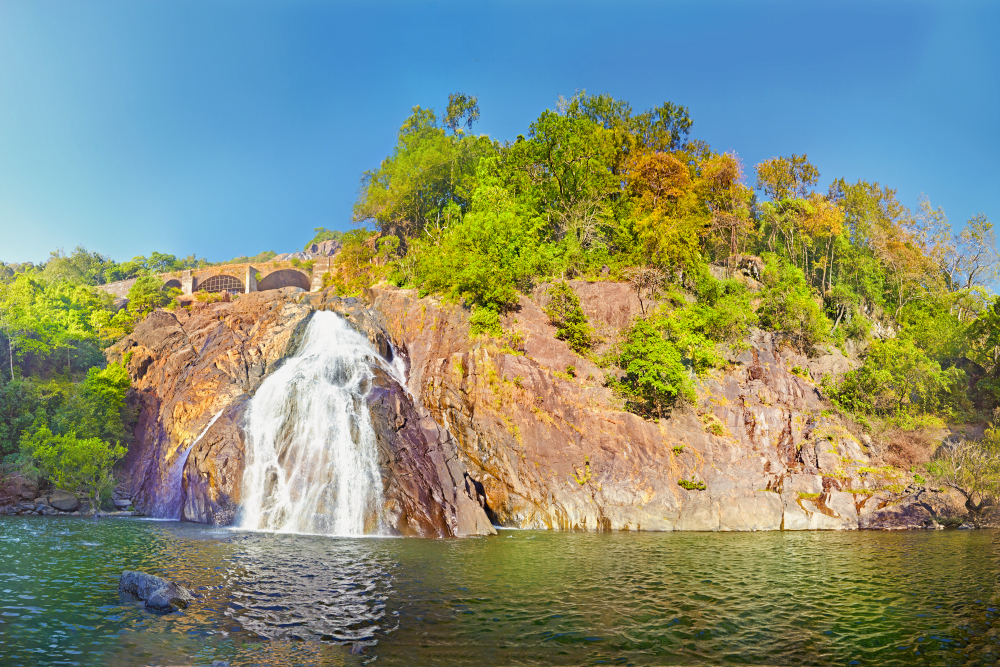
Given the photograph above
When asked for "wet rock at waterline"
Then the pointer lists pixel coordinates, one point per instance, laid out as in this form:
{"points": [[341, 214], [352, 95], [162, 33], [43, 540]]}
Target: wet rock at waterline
{"points": [[158, 593], [64, 501]]}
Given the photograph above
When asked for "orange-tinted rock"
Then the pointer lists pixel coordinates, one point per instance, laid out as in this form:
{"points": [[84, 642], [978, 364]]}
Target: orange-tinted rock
{"points": [[555, 450], [188, 367], [527, 434]]}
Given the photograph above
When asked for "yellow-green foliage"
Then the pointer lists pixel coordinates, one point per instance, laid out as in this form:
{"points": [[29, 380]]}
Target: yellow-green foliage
{"points": [[361, 262], [567, 316], [713, 424]]}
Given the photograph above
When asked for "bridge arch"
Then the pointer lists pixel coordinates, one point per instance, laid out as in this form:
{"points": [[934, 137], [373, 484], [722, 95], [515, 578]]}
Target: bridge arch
{"points": [[284, 278], [220, 282], [173, 282]]}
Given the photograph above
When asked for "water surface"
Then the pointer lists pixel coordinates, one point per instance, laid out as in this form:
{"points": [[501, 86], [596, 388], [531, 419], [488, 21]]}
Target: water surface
{"points": [[521, 598]]}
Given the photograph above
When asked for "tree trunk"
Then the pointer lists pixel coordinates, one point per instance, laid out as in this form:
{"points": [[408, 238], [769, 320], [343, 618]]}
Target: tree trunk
{"points": [[828, 267], [843, 309]]}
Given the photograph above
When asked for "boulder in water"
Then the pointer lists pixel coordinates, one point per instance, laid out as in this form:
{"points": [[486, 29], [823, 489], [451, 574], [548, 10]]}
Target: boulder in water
{"points": [[158, 593], [64, 501]]}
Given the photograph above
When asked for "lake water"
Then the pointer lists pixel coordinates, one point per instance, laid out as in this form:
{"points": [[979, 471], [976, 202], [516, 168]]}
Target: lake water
{"points": [[521, 598]]}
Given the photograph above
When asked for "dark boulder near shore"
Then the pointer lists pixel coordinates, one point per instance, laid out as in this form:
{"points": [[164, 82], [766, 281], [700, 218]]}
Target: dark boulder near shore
{"points": [[158, 593]]}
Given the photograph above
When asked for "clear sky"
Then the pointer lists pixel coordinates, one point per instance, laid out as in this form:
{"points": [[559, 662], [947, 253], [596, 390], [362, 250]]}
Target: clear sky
{"points": [[230, 127]]}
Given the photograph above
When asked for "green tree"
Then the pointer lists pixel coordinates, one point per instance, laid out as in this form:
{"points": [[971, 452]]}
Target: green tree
{"points": [[787, 305], [567, 316], [654, 376], [786, 177], [73, 464], [428, 181], [145, 296], [898, 380], [48, 326], [463, 110], [485, 257], [18, 403], [973, 469]]}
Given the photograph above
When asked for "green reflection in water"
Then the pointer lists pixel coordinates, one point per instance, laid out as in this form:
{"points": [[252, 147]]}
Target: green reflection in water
{"points": [[522, 598]]}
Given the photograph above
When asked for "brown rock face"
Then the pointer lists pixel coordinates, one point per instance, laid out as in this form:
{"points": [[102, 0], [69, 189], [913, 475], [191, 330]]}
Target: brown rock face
{"points": [[186, 368], [552, 448], [521, 433], [189, 369]]}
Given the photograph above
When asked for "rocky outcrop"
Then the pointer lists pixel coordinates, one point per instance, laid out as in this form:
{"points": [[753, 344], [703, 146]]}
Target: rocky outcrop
{"points": [[64, 501], [194, 373], [186, 367], [429, 491], [519, 429], [327, 248], [552, 448], [915, 507], [158, 593]]}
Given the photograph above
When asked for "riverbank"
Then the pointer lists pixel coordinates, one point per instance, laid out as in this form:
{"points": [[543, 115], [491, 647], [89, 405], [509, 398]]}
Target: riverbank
{"points": [[21, 497]]}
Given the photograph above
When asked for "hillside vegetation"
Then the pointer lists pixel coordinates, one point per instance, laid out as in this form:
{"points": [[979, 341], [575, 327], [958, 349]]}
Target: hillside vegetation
{"points": [[597, 190]]}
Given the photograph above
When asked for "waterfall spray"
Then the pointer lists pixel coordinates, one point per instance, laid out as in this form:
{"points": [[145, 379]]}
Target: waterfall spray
{"points": [[311, 459]]}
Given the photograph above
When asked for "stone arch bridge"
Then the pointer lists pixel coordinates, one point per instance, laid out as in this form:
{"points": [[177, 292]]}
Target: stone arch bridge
{"points": [[238, 278]]}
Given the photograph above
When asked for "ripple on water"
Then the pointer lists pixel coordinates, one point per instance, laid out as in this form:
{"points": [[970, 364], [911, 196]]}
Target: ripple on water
{"points": [[536, 599]]}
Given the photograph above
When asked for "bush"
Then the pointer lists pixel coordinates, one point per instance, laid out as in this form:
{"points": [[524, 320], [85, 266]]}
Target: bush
{"points": [[357, 265], [73, 463], [567, 316], [897, 379], [688, 329], [787, 304], [654, 373], [726, 308], [484, 321]]}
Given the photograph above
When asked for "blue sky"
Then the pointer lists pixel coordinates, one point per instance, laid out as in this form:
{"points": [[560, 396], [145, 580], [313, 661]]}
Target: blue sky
{"points": [[231, 127]]}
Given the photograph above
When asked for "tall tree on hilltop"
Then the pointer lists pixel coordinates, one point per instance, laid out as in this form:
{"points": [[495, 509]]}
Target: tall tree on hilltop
{"points": [[786, 177], [429, 179], [462, 110]]}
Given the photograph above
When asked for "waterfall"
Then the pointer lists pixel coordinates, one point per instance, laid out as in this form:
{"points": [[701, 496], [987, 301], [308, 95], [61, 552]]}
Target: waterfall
{"points": [[311, 459], [170, 503]]}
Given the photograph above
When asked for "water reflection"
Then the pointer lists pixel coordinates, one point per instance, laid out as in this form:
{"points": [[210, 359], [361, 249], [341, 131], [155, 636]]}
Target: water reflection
{"points": [[321, 588], [522, 598]]}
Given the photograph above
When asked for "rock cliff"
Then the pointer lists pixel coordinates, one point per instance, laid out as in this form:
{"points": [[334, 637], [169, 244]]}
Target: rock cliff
{"points": [[521, 430], [552, 447], [189, 368]]}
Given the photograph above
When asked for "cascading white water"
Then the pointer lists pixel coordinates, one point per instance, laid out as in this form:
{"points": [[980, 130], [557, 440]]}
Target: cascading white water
{"points": [[311, 458], [170, 502]]}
